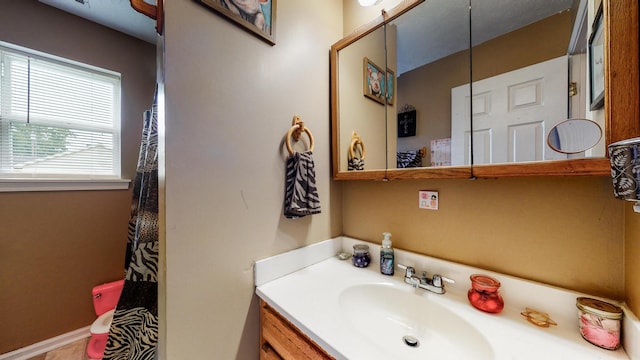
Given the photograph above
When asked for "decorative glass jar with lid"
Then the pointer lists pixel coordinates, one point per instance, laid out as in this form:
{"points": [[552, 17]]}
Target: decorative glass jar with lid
{"points": [[361, 257], [484, 295], [600, 322]]}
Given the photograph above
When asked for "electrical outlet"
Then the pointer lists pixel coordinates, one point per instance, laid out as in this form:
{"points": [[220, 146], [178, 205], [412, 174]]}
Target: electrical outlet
{"points": [[428, 200]]}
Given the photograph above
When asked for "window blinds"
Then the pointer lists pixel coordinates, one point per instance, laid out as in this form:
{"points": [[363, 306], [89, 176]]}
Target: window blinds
{"points": [[57, 118]]}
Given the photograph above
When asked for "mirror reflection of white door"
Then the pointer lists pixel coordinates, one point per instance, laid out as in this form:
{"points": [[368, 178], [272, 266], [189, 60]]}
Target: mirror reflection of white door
{"points": [[512, 113]]}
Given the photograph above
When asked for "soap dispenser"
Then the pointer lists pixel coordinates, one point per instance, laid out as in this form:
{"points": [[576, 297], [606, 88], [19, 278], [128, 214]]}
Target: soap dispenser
{"points": [[386, 255]]}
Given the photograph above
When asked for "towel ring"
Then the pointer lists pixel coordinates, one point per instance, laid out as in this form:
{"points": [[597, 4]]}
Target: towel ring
{"points": [[296, 131], [355, 141]]}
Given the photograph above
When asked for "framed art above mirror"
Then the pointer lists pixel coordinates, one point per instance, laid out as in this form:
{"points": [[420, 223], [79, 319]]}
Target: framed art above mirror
{"points": [[428, 116]]}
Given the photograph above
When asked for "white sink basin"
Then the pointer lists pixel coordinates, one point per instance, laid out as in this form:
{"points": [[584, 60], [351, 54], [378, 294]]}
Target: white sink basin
{"points": [[392, 318], [358, 313]]}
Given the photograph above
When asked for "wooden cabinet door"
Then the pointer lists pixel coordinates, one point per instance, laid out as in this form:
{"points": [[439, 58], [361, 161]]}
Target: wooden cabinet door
{"points": [[279, 339]]}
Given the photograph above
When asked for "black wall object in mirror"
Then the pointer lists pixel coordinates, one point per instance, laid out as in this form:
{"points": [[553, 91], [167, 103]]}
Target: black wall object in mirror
{"points": [[407, 123]]}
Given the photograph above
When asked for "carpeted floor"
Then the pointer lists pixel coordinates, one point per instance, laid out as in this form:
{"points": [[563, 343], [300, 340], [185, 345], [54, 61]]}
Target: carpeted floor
{"points": [[73, 351]]}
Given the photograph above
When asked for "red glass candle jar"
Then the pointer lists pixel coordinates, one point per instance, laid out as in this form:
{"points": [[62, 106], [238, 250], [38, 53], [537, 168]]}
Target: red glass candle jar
{"points": [[484, 294]]}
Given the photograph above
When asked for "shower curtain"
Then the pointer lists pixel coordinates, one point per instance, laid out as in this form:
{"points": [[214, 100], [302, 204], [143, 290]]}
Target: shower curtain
{"points": [[134, 331]]}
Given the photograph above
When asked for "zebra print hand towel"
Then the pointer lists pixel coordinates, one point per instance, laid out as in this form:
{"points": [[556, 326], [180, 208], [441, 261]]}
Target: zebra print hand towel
{"points": [[355, 163], [408, 159], [300, 193]]}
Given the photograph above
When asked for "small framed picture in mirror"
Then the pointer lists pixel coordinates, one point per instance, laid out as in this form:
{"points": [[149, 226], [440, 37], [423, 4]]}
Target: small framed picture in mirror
{"points": [[391, 82], [373, 81], [596, 62]]}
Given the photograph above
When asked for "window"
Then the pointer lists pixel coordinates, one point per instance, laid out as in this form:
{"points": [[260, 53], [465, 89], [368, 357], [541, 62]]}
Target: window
{"points": [[58, 118]]}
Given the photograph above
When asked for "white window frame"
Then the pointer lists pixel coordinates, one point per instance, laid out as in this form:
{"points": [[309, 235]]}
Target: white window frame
{"points": [[65, 182]]}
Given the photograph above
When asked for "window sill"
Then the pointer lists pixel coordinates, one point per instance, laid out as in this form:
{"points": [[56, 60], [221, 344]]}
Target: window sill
{"points": [[18, 185]]}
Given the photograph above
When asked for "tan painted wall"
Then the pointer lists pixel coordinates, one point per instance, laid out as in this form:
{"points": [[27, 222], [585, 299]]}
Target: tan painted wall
{"points": [[55, 246], [631, 256], [561, 231], [545, 39], [230, 99]]}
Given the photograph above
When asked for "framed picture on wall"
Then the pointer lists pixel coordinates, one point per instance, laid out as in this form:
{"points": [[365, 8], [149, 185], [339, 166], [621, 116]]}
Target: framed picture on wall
{"points": [[373, 81], [407, 123], [258, 17], [596, 63], [391, 90]]}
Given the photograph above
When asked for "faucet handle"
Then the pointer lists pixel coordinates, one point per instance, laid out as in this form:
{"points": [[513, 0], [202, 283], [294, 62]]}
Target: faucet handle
{"points": [[438, 279], [409, 271]]}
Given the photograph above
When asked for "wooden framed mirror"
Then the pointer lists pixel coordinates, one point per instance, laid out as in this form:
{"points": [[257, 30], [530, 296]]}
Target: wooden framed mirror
{"points": [[620, 115], [621, 106], [351, 109], [429, 49]]}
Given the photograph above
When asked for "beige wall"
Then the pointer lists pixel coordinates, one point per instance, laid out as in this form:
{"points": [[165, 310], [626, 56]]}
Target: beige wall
{"points": [[564, 231], [230, 98], [55, 246], [631, 256]]}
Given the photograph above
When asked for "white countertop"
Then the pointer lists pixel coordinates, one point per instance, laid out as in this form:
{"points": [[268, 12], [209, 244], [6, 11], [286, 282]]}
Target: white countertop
{"points": [[310, 299]]}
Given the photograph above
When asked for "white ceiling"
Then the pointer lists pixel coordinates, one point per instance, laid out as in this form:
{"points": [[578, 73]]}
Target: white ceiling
{"points": [[116, 14], [434, 29]]}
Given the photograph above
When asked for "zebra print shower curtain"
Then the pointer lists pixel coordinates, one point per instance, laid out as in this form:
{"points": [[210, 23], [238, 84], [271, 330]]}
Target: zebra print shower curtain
{"points": [[134, 331]]}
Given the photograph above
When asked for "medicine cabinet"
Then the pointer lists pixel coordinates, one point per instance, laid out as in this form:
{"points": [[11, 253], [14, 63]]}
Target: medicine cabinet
{"points": [[401, 88]]}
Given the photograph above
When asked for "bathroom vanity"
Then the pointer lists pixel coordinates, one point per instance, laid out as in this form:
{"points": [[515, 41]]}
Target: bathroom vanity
{"points": [[280, 339], [316, 306]]}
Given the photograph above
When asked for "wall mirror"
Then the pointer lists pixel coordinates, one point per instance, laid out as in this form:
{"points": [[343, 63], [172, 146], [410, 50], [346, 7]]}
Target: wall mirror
{"points": [[543, 71], [524, 59], [428, 48], [459, 138], [418, 70], [363, 97], [362, 106]]}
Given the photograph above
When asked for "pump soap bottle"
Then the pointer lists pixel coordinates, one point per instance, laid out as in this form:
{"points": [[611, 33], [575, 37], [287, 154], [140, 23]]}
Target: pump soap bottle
{"points": [[386, 255]]}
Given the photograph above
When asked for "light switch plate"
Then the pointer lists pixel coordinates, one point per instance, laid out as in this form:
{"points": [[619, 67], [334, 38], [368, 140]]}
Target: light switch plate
{"points": [[428, 200]]}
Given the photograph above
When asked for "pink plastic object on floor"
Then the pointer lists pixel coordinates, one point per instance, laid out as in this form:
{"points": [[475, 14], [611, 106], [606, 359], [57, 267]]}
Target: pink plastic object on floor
{"points": [[105, 299]]}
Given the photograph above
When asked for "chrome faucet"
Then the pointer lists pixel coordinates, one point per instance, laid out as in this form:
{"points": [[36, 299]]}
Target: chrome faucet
{"points": [[435, 284]]}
